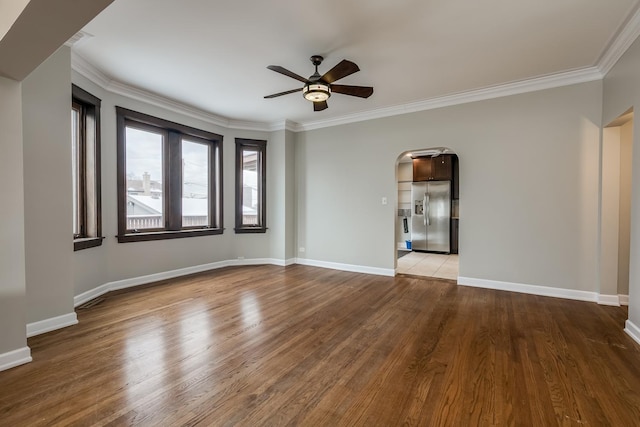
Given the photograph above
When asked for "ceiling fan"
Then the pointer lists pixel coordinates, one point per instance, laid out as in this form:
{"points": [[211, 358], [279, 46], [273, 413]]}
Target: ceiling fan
{"points": [[318, 89]]}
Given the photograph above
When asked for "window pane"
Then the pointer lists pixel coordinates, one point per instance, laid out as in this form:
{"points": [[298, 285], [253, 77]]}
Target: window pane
{"points": [[250, 191], [195, 184], [75, 168], [145, 207]]}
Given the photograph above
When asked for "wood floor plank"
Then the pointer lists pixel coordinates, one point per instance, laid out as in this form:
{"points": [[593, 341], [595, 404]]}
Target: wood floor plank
{"points": [[267, 345]]}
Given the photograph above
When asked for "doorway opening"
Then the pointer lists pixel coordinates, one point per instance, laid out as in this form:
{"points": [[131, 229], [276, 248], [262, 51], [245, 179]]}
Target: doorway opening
{"points": [[615, 214], [427, 220]]}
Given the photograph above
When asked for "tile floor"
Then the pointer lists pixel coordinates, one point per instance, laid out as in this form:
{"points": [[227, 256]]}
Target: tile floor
{"points": [[432, 265]]}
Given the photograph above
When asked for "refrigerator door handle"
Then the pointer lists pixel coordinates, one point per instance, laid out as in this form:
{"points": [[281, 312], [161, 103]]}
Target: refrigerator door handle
{"points": [[424, 207], [427, 221]]}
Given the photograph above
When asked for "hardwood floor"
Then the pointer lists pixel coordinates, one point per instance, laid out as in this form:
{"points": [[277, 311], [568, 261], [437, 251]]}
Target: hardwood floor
{"points": [[300, 345]]}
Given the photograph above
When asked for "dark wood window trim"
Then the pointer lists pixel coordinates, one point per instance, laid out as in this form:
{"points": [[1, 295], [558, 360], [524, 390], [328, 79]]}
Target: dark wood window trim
{"points": [[90, 199], [172, 185], [260, 147]]}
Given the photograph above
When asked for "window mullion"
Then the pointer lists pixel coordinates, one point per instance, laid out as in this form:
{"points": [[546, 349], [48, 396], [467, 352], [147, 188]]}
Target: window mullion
{"points": [[214, 187], [173, 177]]}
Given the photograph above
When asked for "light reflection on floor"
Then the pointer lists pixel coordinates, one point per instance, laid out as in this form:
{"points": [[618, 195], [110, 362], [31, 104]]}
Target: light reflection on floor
{"points": [[251, 315], [146, 364]]}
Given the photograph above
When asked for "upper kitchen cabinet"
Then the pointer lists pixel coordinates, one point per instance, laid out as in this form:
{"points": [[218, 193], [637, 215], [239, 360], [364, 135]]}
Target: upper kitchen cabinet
{"points": [[438, 168], [422, 169]]}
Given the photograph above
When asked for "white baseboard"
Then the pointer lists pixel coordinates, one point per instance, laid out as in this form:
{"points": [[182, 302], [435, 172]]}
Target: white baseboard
{"points": [[15, 358], [347, 267], [529, 289], [632, 330], [156, 277], [48, 325], [613, 300], [263, 261], [624, 299], [90, 294]]}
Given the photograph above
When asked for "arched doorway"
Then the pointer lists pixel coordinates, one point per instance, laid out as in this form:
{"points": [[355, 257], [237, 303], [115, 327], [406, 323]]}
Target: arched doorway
{"points": [[427, 223], [615, 214]]}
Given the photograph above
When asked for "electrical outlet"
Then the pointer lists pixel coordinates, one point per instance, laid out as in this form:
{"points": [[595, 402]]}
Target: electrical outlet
{"points": [[384, 200], [301, 249]]}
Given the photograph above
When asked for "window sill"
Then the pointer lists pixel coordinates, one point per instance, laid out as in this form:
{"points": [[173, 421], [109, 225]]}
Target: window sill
{"points": [[247, 230], [86, 243], [165, 235]]}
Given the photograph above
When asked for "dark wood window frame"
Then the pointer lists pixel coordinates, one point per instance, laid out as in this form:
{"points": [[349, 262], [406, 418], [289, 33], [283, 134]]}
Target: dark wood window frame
{"points": [[174, 132], [260, 146], [89, 192]]}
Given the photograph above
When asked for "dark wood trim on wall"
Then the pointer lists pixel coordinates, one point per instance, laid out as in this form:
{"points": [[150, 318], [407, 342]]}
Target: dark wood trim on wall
{"points": [[172, 177], [260, 146], [91, 105]]}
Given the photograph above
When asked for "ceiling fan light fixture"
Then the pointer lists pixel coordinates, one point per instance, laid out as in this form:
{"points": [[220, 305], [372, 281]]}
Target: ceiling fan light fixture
{"points": [[316, 92]]}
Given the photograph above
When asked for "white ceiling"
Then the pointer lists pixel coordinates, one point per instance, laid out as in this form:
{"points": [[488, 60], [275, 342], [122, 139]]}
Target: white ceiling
{"points": [[212, 55]]}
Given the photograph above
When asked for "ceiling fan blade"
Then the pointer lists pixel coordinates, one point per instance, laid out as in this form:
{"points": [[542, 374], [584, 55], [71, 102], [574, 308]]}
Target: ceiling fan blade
{"points": [[281, 70], [343, 69], [319, 106], [359, 91], [283, 93]]}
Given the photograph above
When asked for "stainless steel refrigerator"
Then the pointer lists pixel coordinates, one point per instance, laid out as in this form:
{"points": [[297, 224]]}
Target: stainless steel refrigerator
{"points": [[431, 216]]}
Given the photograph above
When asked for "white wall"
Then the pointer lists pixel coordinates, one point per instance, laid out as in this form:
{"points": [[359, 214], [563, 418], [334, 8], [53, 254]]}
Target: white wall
{"points": [[47, 183], [12, 270], [529, 170]]}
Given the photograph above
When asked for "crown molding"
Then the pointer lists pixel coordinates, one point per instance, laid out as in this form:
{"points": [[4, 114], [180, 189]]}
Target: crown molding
{"points": [[147, 97], [88, 70], [629, 31], [531, 85], [622, 40], [80, 35], [289, 125]]}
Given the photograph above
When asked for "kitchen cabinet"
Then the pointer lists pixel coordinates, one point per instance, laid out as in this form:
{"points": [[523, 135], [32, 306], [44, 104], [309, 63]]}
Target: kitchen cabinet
{"points": [[422, 169], [442, 167], [438, 168]]}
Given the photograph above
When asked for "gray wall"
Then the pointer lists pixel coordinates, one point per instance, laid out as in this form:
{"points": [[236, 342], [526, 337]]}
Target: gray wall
{"points": [[280, 194], [47, 185], [626, 155], [119, 261], [529, 168], [622, 91], [12, 280], [610, 211]]}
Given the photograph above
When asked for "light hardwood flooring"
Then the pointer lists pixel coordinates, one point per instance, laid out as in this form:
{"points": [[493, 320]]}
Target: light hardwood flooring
{"points": [[305, 346], [428, 264]]}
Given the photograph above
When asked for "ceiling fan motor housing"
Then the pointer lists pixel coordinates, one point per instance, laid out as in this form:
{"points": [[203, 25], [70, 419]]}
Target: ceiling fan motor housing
{"points": [[316, 92]]}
